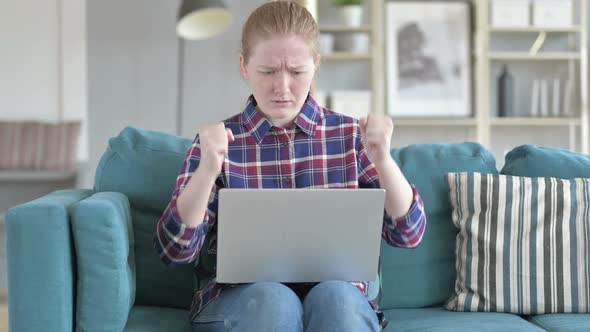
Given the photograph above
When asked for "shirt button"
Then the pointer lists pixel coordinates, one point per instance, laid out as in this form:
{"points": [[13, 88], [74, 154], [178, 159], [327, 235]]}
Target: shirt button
{"points": [[288, 180]]}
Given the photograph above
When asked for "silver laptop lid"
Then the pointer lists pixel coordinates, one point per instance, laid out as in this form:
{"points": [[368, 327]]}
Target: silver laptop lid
{"points": [[298, 235]]}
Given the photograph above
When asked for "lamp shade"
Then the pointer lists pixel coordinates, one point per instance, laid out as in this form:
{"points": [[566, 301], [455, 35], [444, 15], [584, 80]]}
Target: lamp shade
{"points": [[200, 19]]}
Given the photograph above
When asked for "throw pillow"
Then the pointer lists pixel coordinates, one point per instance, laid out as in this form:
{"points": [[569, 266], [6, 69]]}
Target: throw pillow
{"points": [[523, 243]]}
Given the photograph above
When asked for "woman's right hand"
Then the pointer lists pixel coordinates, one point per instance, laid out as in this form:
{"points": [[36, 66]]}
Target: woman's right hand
{"points": [[214, 139]]}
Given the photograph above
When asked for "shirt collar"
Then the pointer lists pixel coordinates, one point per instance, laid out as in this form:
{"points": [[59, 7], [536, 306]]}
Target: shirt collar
{"points": [[258, 125]]}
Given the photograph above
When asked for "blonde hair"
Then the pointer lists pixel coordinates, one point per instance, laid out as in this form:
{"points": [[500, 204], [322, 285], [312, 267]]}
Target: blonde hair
{"points": [[279, 18]]}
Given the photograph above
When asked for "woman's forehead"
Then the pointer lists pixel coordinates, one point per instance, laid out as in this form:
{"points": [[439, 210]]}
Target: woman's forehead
{"points": [[282, 50]]}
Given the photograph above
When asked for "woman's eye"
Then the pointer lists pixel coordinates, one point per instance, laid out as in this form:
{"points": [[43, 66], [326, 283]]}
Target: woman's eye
{"points": [[267, 72]]}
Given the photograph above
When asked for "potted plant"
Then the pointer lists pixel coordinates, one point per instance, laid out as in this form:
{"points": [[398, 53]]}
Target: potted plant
{"points": [[351, 11]]}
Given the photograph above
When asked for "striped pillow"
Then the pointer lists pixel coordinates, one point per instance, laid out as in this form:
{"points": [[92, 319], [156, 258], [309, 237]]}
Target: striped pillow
{"points": [[523, 243]]}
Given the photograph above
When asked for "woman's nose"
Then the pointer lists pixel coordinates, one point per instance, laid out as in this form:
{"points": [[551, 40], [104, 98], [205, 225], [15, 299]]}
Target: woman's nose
{"points": [[281, 83]]}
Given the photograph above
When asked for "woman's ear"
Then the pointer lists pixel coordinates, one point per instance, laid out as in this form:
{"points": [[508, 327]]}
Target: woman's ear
{"points": [[243, 69]]}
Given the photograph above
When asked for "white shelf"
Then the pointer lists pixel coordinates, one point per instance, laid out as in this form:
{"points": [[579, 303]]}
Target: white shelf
{"points": [[539, 56], [575, 28], [340, 56], [483, 122], [534, 122], [575, 58], [344, 28], [434, 121], [30, 175]]}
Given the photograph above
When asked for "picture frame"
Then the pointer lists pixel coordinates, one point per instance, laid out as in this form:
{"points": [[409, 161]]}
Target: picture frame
{"points": [[428, 60]]}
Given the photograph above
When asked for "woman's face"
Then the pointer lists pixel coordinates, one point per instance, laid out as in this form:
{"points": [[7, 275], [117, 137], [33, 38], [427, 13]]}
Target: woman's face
{"points": [[280, 71]]}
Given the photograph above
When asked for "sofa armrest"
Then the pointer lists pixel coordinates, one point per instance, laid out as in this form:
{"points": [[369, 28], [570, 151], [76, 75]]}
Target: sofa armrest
{"points": [[40, 263], [103, 240]]}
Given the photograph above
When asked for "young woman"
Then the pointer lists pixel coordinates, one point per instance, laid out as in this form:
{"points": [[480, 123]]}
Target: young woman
{"points": [[284, 139]]}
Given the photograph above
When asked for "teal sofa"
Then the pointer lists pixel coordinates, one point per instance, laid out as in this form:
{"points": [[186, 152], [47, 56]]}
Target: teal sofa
{"points": [[83, 259]]}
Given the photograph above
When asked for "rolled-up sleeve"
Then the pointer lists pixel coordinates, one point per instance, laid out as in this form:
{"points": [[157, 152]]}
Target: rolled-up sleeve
{"points": [[174, 241], [407, 230]]}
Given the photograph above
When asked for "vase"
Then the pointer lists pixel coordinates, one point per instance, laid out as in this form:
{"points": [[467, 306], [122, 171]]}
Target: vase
{"points": [[351, 15]]}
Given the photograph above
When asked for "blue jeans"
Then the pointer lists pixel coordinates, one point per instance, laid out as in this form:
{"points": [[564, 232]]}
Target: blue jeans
{"points": [[269, 306]]}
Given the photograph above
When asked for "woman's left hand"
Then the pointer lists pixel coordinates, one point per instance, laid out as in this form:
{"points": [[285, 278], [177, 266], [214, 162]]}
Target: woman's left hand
{"points": [[376, 131]]}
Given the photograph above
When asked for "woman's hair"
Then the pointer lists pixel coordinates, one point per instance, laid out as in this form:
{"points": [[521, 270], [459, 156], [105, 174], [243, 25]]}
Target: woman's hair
{"points": [[279, 18]]}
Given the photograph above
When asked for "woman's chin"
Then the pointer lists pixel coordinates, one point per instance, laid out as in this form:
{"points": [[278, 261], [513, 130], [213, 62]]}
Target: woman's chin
{"points": [[281, 118], [282, 111]]}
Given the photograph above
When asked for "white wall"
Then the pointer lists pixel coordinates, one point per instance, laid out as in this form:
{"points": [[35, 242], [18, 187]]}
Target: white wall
{"points": [[213, 88], [74, 105], [29, 60], [43, 62], [132, 70]]}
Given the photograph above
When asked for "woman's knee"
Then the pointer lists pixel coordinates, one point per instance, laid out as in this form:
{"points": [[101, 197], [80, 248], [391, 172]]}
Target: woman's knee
{"points": [[338, 306], [271, 297], [333, 292], [269, 306], [264, 306]]}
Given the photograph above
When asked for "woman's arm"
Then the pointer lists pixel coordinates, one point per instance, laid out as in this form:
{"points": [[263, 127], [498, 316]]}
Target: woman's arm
{"points": [[192, 211], [405, 220]]}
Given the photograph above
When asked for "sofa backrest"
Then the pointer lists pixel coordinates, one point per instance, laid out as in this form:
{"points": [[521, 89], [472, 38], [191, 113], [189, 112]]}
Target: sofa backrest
{"points": [[143, 165], [425, 276]]}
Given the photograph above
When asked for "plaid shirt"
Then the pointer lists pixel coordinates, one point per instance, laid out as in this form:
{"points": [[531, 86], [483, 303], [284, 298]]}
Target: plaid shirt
{"points": [[321, 149]]}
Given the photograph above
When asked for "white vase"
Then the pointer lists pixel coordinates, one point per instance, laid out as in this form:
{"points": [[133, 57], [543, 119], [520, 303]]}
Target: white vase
{"points": [[351, 15], [354, 42]]}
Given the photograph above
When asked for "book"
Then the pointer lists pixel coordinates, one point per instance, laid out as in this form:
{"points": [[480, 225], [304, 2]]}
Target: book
{"points": [[544, 98], [567, 98], [535, 98], [556, 107]]}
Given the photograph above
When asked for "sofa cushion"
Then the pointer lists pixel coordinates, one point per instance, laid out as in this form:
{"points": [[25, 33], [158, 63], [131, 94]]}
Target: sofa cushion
{"points": [[562, 322], [157, 319], [536, 161], [143, 165], [522, 244], [157, 283], [103, 238], [440, 320], [425, 276]]}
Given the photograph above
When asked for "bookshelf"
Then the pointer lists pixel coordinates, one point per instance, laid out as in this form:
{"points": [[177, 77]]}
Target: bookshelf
{"points": [[483, 123], [575, 58], [373, 58]]}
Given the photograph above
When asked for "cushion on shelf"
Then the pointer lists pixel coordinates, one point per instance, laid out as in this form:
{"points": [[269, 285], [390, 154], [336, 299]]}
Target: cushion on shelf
{"points": [[36, 145]]}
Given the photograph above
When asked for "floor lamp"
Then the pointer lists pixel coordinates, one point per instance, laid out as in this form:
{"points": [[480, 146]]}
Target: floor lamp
{"points": [[197, 19]]}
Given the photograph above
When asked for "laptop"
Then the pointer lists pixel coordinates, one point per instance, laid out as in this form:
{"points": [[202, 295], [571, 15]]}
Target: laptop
{"points": [[298, 235]]}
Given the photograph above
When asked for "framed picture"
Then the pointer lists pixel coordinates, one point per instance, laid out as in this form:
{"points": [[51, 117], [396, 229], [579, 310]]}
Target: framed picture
{"points": [[428, 62]]}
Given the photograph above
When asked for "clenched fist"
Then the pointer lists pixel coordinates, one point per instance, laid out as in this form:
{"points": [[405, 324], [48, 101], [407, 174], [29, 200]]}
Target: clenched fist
{"points": [[214, 146], [376, 131]]}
